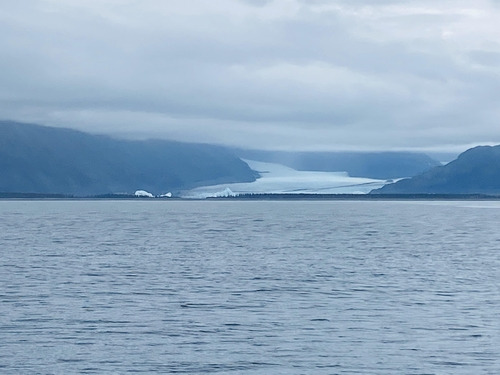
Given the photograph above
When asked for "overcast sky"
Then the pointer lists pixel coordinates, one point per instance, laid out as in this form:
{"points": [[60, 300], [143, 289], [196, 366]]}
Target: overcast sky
{"points": [[282, 74]]}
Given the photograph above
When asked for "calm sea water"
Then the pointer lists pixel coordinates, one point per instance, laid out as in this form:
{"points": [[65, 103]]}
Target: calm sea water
{"points": [[115, 287]]}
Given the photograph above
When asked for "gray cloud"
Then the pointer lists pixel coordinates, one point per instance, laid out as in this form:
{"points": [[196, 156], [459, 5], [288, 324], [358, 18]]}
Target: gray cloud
{"points": [[284, 74]]}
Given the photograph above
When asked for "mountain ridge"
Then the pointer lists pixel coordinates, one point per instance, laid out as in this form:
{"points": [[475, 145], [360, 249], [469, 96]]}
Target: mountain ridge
{"points": [[49, 160], [42, 159], [475, 171], [381, 165]]}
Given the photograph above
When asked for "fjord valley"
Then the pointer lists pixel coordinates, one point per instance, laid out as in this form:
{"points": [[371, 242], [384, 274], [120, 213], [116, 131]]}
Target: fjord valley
{"points": [[46, 160], [37, 159], [249, 187]]}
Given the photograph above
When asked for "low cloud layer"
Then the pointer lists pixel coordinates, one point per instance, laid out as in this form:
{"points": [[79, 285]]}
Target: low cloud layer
{"points": [[282, 74]]}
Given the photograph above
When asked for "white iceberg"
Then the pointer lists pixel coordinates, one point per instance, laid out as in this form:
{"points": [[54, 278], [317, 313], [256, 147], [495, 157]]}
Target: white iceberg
{"points": [[143, 193]]}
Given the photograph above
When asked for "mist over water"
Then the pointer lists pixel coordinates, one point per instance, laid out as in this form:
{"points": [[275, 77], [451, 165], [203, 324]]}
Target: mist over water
{"points": [[231, 287]]}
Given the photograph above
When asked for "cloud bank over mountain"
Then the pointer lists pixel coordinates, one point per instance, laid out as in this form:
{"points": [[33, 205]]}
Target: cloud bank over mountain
{"points": [[282, 74]]}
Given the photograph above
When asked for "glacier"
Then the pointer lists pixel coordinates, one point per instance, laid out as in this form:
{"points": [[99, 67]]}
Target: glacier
{"points": [[279, 179]]}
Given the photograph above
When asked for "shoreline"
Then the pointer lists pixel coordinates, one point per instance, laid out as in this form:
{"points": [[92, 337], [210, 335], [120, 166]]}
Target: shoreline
{"points": [[256, 197]]}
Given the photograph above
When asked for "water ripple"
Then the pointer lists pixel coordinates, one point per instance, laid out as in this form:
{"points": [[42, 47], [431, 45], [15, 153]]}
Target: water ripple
{"points": [[249, 287]]}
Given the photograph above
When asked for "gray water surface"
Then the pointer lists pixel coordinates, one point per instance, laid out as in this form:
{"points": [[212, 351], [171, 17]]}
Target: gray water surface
{"points": [[226, 287]]}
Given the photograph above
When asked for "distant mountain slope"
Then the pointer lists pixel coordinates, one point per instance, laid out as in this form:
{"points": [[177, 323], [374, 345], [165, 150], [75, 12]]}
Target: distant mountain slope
{"points": [[43, 159], [475, 171], [377, 165]]}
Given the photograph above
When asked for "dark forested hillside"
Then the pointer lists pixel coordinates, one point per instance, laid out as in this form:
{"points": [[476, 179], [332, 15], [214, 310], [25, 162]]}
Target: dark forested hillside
{"points": [[43, 159], [476, 171]]}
